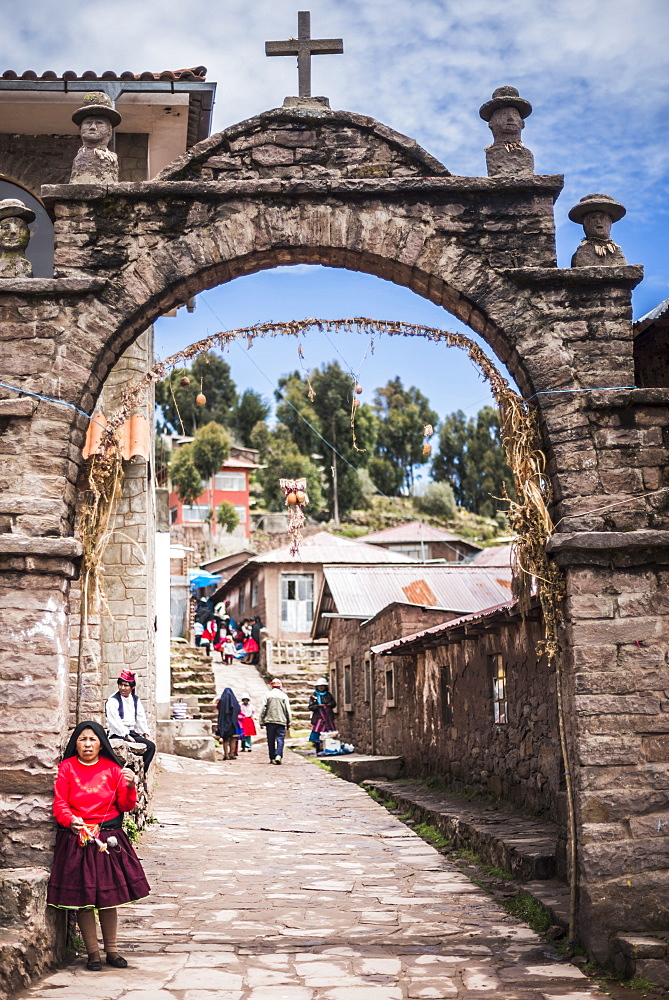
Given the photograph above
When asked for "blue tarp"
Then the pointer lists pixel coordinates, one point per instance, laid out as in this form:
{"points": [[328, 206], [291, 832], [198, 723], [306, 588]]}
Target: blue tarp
{"points": [[200, 578]]}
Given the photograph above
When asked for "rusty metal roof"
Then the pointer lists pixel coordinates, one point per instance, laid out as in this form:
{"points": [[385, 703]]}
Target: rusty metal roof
{"points": [[413, 531], [198, 73], [365, 590], [495, 555], [408, 643]]}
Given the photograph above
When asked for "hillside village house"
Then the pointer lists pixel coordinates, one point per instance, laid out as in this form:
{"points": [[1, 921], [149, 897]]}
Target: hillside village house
{"points": [[468, 699], [282, 589], [230, 485], [423, 542], [360, 605]]}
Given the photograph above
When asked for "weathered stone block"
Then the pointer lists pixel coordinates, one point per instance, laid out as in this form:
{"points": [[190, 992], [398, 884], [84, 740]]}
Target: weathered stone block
{"points": [[608, 750], [656, 748]]}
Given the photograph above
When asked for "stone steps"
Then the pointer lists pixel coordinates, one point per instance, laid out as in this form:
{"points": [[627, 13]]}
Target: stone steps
{"points": [[193, 677]]}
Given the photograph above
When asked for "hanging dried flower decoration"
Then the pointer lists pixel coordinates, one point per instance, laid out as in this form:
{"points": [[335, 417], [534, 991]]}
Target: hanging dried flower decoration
{"points": [[295, 491]]}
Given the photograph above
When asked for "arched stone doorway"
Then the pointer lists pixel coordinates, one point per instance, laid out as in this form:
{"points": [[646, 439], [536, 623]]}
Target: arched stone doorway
{"points": [[315, 186]]}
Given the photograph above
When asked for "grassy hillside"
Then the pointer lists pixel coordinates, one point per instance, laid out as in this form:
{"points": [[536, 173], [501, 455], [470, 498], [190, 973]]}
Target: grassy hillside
{"points": [[388, 513]]}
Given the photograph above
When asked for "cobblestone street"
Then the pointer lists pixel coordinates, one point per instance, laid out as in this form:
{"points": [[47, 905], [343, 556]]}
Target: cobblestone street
{"points": [[286, 883]]}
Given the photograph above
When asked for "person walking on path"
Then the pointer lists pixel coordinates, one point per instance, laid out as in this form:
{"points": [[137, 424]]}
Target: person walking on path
{"points": [[275, 717], [228, 712], [321, 705], [94, 864], [247, 714], [126, 718]]}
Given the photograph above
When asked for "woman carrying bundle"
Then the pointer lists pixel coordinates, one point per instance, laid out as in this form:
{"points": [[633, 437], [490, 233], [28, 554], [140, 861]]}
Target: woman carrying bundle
{"points": [[94, 864]]}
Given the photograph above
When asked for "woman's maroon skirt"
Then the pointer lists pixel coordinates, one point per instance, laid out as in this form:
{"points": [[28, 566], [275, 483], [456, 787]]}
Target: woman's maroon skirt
{"points": [[86, 876]]}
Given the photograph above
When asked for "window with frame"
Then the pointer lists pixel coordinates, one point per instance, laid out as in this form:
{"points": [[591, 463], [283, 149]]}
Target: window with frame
{"points": [[390, 685], [369, 680], [195, 513], [234, 482], [297, 602], [241, 599], [174, 515], [241, 513], [334, 684], [254, 592], [348, 685], [499, 693]]}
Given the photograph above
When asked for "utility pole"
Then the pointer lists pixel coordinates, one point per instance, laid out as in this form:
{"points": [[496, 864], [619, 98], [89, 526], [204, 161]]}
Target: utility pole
{"points": [[335, 490]]}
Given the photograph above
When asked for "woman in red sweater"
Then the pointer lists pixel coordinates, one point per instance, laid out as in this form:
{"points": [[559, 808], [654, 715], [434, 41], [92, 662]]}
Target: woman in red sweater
{"points": [[91, 793]]}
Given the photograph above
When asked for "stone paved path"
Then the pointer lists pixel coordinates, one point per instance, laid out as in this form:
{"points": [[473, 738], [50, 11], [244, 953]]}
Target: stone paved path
{"points": [[285, 883]]}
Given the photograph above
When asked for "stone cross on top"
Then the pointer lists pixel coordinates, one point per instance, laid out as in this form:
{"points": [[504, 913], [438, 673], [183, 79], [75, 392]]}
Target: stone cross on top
{"points": [[304, 47]]}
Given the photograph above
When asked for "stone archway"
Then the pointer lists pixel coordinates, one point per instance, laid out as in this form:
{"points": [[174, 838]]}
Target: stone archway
{"points": [[315, 186]]}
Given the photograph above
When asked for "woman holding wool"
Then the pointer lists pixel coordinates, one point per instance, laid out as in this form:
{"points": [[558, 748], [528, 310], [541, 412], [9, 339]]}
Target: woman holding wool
{"points": [[94, 864]]}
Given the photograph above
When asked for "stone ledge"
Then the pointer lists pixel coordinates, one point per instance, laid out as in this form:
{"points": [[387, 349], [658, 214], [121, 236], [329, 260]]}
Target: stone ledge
{"points": [[625, 398], [51, 286], [358, 767], [27, 545], [627, 275], [351, 187], [605, 541], [610, 548], [525, 847]]}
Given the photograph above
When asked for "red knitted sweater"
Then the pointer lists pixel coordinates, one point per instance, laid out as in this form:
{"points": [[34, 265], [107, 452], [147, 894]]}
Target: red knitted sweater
{"points": [[96, 792]]}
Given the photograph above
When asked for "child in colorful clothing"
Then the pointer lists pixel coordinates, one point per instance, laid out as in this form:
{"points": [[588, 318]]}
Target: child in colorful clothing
{"points": [[247, 715]]}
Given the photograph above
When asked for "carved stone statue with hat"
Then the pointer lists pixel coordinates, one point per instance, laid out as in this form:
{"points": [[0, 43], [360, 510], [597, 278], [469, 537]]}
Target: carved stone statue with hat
{"points": [[505, 114], [14, 238], [95, 163], [596, 213]]}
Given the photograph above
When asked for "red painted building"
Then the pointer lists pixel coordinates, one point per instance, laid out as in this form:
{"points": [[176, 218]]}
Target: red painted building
{"points": [[230, 484]]}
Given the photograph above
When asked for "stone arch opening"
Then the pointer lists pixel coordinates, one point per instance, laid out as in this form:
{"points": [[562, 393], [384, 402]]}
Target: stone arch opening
{"points": [[278, 190]]}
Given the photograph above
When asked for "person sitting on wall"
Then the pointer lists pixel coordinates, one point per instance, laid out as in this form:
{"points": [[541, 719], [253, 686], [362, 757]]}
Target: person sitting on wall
{"points": [[94, 864], [126, 718]]}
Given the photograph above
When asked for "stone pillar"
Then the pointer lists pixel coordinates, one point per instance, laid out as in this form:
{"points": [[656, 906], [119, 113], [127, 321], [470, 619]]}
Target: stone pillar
{"points": [[34, 579], [127, 626], [617, 671]]}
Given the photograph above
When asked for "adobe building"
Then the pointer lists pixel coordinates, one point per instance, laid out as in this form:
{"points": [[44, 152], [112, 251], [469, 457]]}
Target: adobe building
{"points": [[304, 183], [283, 590], [423, 542]]}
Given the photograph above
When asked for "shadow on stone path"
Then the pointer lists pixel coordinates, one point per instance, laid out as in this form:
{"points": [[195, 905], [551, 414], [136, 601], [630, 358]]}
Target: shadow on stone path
{"points": [[286, 883]]}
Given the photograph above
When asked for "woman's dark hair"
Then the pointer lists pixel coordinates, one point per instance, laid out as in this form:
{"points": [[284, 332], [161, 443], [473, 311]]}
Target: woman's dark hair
{"points": [[106, 749]]}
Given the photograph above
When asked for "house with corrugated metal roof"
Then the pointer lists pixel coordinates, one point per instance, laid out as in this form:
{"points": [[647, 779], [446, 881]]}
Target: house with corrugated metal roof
{"points": [[361, 592], [423, 542], [283, 589], [468, 699]]}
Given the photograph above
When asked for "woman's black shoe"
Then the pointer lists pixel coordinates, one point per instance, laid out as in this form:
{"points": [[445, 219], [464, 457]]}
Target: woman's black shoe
{"points": [[117, 961], [94, 965]]}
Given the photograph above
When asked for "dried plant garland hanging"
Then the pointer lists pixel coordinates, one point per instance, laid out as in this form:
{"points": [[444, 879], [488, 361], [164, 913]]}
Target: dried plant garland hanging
{"points": [[295, 491], [100, 493]]}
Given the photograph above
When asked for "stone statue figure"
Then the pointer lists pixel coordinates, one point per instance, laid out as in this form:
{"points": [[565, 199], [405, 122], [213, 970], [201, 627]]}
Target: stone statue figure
{"points": [[95, 163], [14, 238], [505, 115], [596, 213]]}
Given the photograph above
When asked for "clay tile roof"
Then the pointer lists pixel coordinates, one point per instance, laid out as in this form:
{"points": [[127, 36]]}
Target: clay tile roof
{"points": [[195, 73]]}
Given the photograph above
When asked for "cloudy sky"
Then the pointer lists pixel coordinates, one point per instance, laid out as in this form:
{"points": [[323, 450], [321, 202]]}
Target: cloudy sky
{"points": [[594, 70]]}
